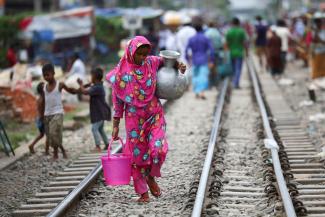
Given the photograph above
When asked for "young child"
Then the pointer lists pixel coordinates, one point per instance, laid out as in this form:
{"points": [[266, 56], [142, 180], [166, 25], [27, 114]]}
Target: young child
{"points": [[40, 119], [133, 83], [99, 110], [53, 109]]}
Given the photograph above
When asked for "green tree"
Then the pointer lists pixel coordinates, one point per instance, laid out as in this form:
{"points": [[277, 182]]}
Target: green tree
{"points": [[9, 29], [110, 31]]}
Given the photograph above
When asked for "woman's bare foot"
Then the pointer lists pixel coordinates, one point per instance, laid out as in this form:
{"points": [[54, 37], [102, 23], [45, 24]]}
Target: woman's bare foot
{"points": [[153, 186], [144, 198], [97, 149]]}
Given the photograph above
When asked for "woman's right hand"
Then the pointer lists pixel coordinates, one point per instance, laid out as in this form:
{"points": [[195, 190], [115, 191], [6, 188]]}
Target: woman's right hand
{"points": [[115, 133]]}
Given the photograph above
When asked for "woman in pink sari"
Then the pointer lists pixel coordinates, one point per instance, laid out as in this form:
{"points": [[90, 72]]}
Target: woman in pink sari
{"points": [[133, 82]]}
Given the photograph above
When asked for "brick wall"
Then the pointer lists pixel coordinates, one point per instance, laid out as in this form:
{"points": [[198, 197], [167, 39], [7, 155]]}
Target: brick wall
{"points": [[17, 104]]}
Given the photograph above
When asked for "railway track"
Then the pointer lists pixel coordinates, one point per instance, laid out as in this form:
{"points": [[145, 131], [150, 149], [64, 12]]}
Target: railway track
{"points": [[304, 169], [67, 187], [242, 173], [262, 164]]}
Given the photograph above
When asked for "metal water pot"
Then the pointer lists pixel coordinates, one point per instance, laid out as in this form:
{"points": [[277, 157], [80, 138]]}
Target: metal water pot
{"points": [[171, 84]]}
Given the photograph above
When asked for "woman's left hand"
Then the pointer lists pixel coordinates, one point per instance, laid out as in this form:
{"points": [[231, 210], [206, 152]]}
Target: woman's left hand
{"points": [[181, 67]]}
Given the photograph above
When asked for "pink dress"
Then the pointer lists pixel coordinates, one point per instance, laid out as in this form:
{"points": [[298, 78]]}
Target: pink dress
{"points": [[134, 95]]}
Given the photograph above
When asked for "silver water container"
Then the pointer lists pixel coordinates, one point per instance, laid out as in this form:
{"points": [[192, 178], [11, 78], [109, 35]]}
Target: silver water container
{"points": [[171, 84]]}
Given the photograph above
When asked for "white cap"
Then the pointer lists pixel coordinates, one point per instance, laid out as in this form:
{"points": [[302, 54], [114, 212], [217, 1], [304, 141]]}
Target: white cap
{"points": [[319, 15], [171, 18], [23, 55], [185, 19]]}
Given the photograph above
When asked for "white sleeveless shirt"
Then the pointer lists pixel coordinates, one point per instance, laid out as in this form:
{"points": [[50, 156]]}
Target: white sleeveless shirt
{"points": [[53, 101]]}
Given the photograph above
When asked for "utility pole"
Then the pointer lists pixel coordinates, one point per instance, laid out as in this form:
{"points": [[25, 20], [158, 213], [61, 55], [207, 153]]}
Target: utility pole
{"points": [[154, 3], [37, 6], [54, 5], [110, 3], [278, 6]]}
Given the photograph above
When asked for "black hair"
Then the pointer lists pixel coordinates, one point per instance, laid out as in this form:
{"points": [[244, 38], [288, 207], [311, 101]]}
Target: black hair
{"points": [[13, 45], [258, 18], [39, 88], [281, 23], [145, 46], [197, 23], [235, 21], [48, 68], [76, 55], [318, 21], [151, 29], [198, 28], [98, 73]]}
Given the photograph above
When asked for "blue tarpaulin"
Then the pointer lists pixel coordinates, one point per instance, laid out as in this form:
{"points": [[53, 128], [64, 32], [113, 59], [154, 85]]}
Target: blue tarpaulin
{"points": [[144, 12], [43, 36], [108, 12]]}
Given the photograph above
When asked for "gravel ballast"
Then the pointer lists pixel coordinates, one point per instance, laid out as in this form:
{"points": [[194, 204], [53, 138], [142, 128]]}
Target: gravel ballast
{"points": [[25, 177], [189, 123], [297, 93]]}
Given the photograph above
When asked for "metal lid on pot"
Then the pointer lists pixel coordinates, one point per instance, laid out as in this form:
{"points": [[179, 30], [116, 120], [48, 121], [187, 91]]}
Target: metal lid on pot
{"points": [[169, 54]]}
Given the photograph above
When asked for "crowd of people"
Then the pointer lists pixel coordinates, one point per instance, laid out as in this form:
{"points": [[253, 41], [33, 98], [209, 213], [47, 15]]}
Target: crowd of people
{"points": [[300, 37], [275, 43]]}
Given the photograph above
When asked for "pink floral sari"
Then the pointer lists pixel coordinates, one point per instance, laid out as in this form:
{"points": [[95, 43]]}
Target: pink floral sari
{"points": [[134, 95]]}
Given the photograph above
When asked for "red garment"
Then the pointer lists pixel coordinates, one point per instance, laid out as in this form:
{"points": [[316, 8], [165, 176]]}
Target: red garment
{"points": [[308, 38], [24, 23], [273, 47], [249, 29], [11, 57]]}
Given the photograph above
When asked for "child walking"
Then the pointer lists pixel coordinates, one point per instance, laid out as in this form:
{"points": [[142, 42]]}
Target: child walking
{"points": [[40, 119], [133, 83], [53, 109], [99, 110]]}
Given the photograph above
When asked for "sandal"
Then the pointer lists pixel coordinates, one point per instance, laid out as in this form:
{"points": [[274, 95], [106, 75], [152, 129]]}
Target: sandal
{"points": [[153, 186], [144, 198]]}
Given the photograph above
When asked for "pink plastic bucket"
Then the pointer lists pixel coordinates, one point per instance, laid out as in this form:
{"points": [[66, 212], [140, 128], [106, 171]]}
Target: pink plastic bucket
{"points": [[116, 167]]}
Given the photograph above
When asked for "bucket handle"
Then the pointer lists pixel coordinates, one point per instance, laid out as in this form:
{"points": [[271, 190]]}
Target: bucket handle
{"points": [[110, 144]]}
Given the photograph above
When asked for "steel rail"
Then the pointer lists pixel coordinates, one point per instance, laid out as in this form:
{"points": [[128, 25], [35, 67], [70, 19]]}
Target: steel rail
{"points": [[61, 208], [72, 197], [200, 194], [272, 144]]}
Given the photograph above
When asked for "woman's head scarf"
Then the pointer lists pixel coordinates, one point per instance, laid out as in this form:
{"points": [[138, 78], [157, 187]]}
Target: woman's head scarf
{"points": [[135, 84]]}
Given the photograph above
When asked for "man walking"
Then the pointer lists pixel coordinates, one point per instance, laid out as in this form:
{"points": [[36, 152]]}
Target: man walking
{"points": [[260, 41], [216, 39], [236, 43], [200, 54]]}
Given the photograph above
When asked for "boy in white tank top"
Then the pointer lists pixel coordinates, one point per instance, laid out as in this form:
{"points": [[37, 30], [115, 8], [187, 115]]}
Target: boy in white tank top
{"points": [[53, 109]]}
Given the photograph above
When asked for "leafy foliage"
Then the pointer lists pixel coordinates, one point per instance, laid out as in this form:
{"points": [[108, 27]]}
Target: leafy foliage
{"points": [[110, 31], [9, 29]]}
